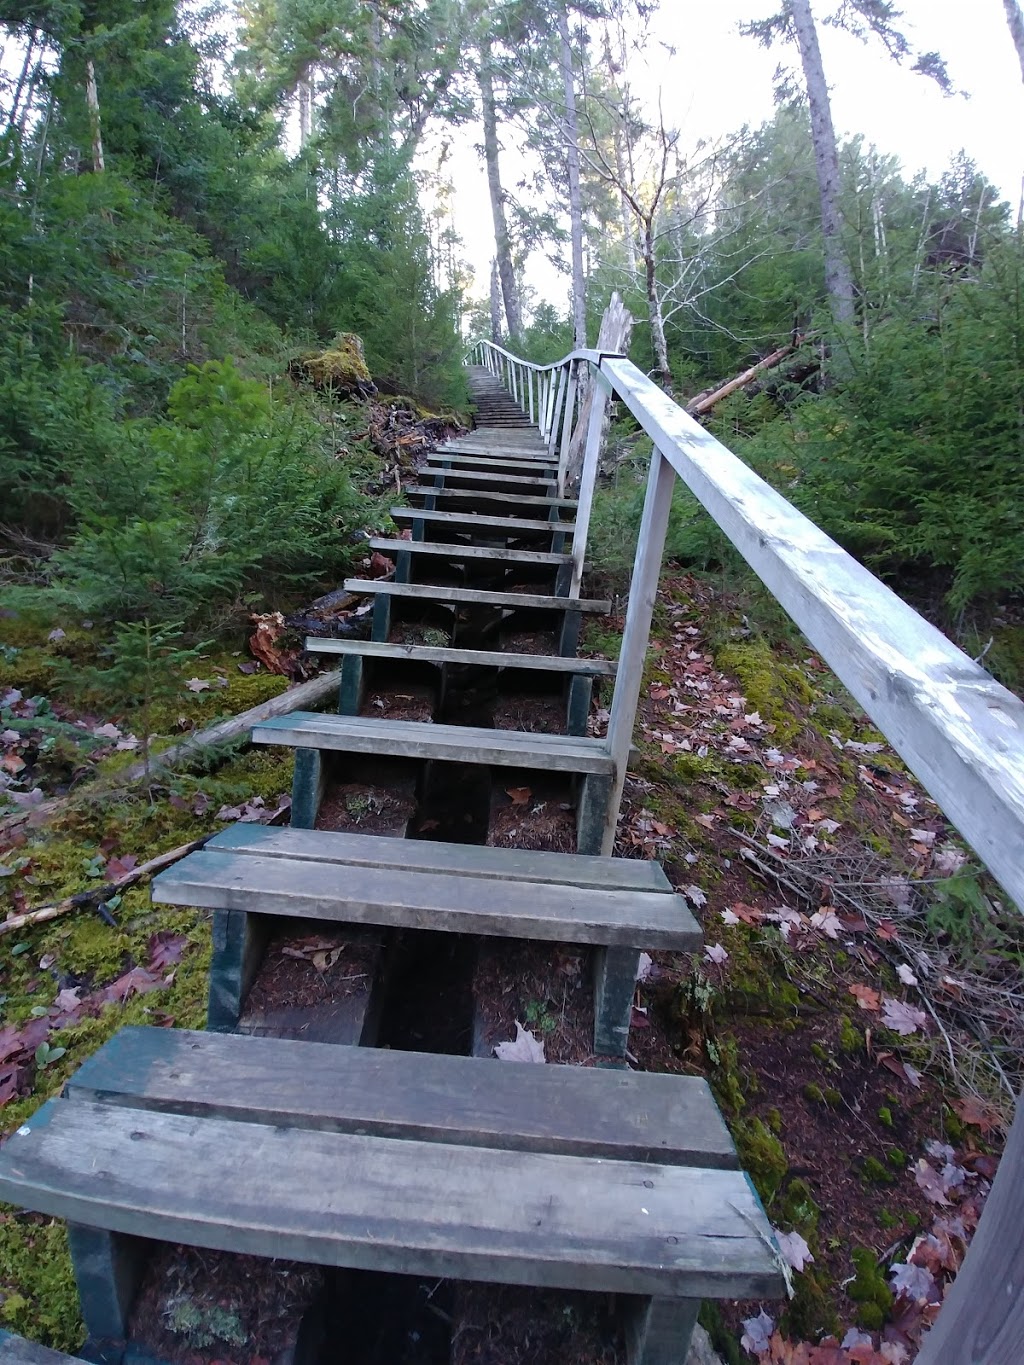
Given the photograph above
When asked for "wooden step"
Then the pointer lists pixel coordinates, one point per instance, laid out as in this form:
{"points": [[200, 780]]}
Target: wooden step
{"points": [[501, 464], [477, 596], [407, 1206], [486, 495], [473, 477], [581, 1111], [477, 521], [485, 658], [640, 876], [447, 551], [17, 1351], [416, 739], [313, 890]]}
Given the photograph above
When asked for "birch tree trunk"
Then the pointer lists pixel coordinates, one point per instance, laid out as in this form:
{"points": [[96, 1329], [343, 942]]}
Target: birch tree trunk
{"points": [[1015, 20], [305, 108], [92, 99], [502, 245], [572, 139], [654, 305], [838, 278]]}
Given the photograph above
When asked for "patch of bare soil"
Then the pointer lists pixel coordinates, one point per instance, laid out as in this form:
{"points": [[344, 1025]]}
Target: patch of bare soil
{"points": [[415, 703], [524, 711], [505, 1324], [547, 987], [532, 810], [195, 1307], [362, 809], [529, 642]]}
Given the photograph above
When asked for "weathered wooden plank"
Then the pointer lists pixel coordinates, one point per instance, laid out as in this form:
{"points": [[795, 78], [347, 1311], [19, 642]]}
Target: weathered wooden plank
{"points": [[658, 1331], [475, 478], [404, 1207], [639, 875], [499, 463], [959, 731], [389, 896], [485, 658], [442, 593], [415, 739], [485, 495], [627, 1115], [449, 551], [17, 1351], [477, 521]]}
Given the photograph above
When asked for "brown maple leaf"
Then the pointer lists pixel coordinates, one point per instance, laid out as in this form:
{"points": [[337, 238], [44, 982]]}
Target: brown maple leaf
{"points": [[866, 997]]}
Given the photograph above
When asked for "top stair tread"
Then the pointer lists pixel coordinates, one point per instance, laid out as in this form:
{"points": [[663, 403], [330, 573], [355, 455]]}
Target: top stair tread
{"points": [[585, 1111], [420, 739]]}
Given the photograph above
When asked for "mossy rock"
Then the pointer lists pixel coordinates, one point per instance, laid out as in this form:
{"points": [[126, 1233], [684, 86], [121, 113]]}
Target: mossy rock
{"points": [[762, 1156], [341, 368]]}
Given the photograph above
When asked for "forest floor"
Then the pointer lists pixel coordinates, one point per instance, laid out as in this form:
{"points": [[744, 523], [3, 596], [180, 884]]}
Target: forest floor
{"points": [[857, 1007]]}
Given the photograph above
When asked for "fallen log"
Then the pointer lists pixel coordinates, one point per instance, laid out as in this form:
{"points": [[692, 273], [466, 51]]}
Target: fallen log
{"points": [[705, 401], [303, 697]]}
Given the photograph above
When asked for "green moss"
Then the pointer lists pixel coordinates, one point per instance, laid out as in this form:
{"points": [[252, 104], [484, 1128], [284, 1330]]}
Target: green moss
{"points": [[851, 1040], [340, 368], [797, 1208], [869, 1289], [774, 1121], [814, 1093], [820, 1052], [885, 1117], [874, 1173], [888, 1220], [762, 1156], [896, 1157], [40, 1299], [770, 684], [811, 1313]]}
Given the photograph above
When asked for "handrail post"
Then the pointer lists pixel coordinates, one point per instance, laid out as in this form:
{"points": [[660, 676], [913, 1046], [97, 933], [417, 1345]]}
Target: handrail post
{"points": [[588, 479], [559, 399], [567, 417], [643, 592], [549, 398], [530, 389]]}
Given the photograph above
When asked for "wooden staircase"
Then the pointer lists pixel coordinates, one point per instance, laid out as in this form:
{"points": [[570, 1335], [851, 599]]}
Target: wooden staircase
{"points": [[592, 1178]]}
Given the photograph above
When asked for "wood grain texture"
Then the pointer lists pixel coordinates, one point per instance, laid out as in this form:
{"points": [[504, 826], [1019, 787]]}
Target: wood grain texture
{"points": [[488, 658], [448, 551], [421, 739], [17, 1351], [475, 596], [478, 520], [500, 464], [640, 875], [397, 1206], [485, 495], [428, 900], [575, 1110], [483, 478]]}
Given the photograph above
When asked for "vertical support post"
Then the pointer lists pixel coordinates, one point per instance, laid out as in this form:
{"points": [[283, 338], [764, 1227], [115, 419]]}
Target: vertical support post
{"points": [[108, 1267], [591, 805], [588, 479], [567, 418], [239, 943], [351, 688], [577, 710], [643, 591], [308, 784], [531, 374], [658, 1331], [559, 398], [615, 972]]}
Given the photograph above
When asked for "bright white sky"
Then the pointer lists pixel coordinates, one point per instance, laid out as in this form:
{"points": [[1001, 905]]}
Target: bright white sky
{"points": [[716, 81]]}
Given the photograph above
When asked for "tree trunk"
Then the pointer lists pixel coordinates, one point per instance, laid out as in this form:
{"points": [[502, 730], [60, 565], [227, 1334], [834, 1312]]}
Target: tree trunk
{"points": [[92, 99], [502, 245], [22, 80], [838, 278], [305, 108], [654, 305], [495, 305], [1015, 19], [572, 138]]}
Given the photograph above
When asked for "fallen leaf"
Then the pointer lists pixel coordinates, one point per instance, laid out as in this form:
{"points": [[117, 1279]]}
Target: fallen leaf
{"points": [[906, 975], [757, 1333], [716, 953], [135, 982], [524, 1048], [866, 998], [695, 896], [117, 868], [827, 921], [902, 1018], [645, 965], [976, 1113], [13, 763], [914, 1282], [197, 685], [165, 949], [520, 795], [930, 1183], [795, 1251]]}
